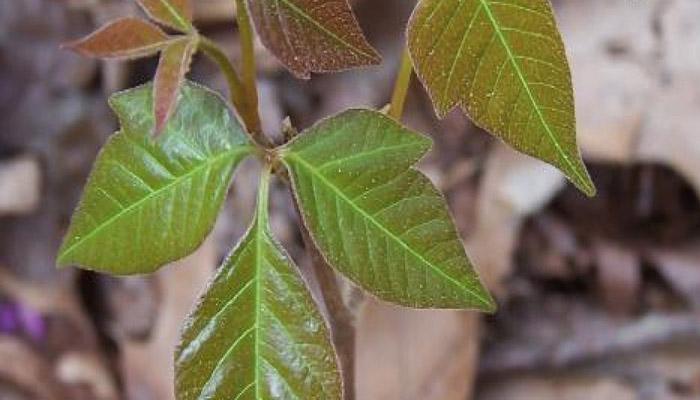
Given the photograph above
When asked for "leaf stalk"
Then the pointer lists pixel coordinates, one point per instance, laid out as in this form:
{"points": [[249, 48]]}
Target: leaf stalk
{"points": [[248, 75], [401, 85]]}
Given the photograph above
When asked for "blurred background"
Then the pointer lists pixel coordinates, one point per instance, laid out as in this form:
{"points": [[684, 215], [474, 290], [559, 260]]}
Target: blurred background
{"points": [[599, 298]]}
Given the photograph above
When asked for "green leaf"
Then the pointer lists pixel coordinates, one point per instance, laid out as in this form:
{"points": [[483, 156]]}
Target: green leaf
{"points": [[256, 333], [504, 61], [311, 35], [148, 202], [176, 14], [123, 38], [375, 218]]}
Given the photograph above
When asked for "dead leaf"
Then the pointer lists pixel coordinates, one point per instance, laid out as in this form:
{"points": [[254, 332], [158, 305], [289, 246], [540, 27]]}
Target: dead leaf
{"points": [[681, 267], [637, 85], [148, 366], [619, 276], [20, 185], [405, 354], [514, 187], [557, 387]]}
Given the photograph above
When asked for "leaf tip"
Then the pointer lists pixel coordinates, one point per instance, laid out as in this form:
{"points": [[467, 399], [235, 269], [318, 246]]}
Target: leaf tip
{"points": [[582, 180], [488, 305], [588, 188]]}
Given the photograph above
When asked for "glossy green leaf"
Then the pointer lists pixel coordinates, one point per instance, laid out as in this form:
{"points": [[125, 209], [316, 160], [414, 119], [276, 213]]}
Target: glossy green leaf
{"points": [[256, 333], [375, 218], [312, 35], [123, 38], [148, 202], [504, 61], [176, 14]]}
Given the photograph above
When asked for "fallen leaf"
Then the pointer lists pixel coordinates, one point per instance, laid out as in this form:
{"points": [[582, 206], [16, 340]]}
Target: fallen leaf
{"points": [[20, 185], [514, 187], [405, 354]]}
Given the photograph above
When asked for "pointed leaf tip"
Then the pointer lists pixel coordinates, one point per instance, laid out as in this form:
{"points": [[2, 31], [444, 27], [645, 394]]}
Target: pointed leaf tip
{"points": [[375, 218], [505, 63], [123, 38]]}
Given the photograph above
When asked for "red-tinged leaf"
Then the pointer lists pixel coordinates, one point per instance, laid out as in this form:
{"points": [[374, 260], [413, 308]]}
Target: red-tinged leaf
{"points": [[312, 35], [176, 14], [174, 63], [123, 38]]}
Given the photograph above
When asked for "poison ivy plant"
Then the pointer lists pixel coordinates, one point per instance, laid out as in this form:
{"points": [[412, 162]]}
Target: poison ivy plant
{"points": [[375, 218], [148, 202], [504, 61], [257, 333]]}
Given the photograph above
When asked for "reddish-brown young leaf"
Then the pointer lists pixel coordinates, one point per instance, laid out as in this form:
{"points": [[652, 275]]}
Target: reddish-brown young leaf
{"points": [[312, 35], [123, 38], [176, 14], [174, 63]]}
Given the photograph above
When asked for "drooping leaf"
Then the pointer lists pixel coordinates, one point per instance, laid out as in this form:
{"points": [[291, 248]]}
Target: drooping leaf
{"points": [[504, 61], [174, 63], [151, 201], [176, 14], [312, 35], [256, 333], [123, 38], [375, 218]]}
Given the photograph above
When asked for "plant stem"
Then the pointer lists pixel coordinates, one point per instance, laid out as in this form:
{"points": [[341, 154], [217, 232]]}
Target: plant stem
{"points": [[340, 318], [250, 89], [403, 81], [238, 98]]}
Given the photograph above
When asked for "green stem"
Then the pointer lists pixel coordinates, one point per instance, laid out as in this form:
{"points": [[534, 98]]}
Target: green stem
{"points": [[403, 81], [248, 77], [236, 88], [263, 194]]}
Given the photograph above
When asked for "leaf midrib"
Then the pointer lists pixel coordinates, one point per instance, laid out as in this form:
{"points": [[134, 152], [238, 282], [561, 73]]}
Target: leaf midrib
{"points": [[232, 154], [259, 231], [322, 28], [509, 52], [295, 157]]}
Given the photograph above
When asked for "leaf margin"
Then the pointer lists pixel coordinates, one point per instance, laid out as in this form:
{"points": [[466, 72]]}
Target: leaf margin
{"points": [[488, 303], [572, 165], [245, 150]]}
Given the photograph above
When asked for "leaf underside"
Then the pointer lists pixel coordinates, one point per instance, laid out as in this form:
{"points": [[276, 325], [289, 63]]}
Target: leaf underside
{"points": [[256, 333], [375, 218], [148, 202], [504, 61], [123, 38], [312, 35], [176, 14]]}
